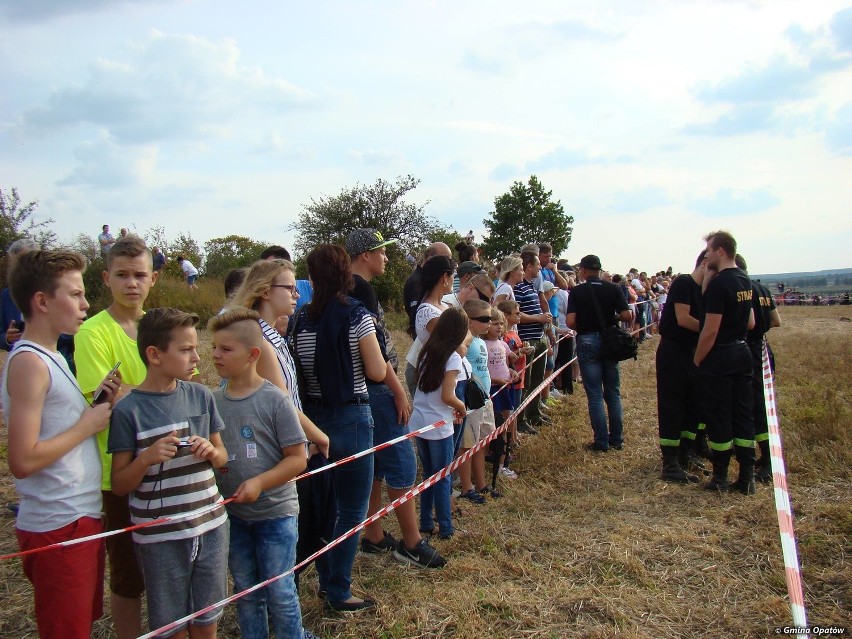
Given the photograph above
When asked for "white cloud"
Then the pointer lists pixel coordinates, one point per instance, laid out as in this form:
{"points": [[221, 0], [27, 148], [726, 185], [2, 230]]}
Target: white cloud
{"points": [[170, 87]]}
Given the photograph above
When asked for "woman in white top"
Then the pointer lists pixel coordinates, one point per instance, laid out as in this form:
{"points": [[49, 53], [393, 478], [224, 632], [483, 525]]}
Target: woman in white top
{"points": [[511, 273], [435, 281]]}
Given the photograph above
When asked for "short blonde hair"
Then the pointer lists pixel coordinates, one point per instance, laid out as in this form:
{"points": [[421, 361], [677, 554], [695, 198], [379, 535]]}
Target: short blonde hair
{"points": [[243, 322]]}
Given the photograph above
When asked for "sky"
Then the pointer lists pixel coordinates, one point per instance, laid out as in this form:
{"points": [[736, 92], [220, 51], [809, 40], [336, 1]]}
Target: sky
{"points": [[652, 122]]}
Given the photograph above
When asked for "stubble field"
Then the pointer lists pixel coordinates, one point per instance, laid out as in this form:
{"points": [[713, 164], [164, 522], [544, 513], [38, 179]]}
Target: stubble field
{"points": [[589, 545]]}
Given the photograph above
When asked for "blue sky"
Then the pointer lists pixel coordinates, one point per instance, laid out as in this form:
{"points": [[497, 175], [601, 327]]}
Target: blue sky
{"points": [[653, 122]]}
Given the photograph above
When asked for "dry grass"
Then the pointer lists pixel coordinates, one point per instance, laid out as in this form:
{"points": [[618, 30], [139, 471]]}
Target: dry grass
{"points": [[595, 546]]}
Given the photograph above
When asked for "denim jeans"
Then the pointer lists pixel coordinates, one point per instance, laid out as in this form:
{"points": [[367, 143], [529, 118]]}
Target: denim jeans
{"points": [[260, 550], [436, 454], [397, 465], [350, 430], [603, 385]]}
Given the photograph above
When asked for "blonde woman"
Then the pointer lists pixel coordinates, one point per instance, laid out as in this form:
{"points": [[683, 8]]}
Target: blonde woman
{"points": [[269, 288], [511, 273]]}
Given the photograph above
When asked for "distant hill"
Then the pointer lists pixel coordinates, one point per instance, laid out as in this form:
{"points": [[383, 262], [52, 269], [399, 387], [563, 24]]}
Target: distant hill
{"points": [[780, 277], [828, 282]]}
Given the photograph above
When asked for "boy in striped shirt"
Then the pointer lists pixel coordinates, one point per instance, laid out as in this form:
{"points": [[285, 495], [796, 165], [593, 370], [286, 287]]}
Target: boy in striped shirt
{"points": [[165, 443]]}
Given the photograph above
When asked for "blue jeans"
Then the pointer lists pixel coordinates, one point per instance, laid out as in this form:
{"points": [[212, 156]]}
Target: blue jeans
{"points": [[260, 550], [396, 466], [350, 430], [603, 385], [436, 454]]}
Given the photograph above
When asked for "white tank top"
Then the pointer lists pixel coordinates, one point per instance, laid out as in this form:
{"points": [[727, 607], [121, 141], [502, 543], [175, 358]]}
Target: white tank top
{"points": [[70, 488]]}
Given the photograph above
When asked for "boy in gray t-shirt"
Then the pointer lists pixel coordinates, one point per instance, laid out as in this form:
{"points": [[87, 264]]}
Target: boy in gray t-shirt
{"points": [[266, 447]]}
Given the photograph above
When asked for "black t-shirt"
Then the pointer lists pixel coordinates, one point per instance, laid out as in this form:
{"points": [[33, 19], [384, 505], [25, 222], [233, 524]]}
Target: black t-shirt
{"points": [[684, 290], [364, 292], [763, 305], [411, 293], [729, 294], [610, 299]]}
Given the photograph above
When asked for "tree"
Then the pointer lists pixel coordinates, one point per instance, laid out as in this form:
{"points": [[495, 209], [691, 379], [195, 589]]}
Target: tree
{"points": [[16, 222], [381, 206], [526, 214], [226, 253]]}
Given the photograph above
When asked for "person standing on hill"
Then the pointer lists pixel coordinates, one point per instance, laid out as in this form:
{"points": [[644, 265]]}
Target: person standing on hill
{"points": [[190, 271], [765, 317], [676, 397], [105, 240], [601, 377], [724, 367]]}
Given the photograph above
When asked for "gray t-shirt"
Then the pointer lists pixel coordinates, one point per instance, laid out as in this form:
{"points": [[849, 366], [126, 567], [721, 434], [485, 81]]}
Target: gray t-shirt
{"points": [[181, 485], [258, 427]]}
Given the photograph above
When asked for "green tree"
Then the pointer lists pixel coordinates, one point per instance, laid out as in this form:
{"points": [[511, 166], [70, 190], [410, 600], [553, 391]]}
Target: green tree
{"points": [[226, 253], [526, 214], [381, 206], [16, 222]]}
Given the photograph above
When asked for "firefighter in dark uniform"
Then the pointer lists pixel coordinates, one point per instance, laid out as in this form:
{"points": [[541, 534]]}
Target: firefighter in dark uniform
{"points": [[765, 317], [723, 365], [677, 410]]}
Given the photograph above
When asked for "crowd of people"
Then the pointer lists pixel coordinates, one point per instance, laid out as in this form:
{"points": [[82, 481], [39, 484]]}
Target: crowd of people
{"points": [[310, 377]]}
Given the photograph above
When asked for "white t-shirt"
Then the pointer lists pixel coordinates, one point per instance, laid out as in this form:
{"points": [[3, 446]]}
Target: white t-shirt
{"points": [[504, 289], [425, 314], [430, 408], [187, 267]]}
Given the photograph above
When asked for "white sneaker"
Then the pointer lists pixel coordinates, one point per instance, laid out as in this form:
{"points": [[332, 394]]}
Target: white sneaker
{"points": [[508, 473], [456, 493], [556, 394]]}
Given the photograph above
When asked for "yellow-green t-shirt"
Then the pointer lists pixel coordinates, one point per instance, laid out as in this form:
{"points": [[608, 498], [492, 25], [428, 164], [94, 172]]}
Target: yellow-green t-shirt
{"points": [[98, 346]]}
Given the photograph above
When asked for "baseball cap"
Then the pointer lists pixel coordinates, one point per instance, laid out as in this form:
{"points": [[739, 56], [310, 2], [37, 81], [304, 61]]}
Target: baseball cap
{"points": [[591, 262], [363, 240], [469, 267]]}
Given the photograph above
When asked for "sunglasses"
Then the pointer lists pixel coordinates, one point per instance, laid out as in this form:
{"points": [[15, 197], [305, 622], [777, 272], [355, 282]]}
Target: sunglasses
{"points": [[483, 296], [290, 287], [485, 319]]}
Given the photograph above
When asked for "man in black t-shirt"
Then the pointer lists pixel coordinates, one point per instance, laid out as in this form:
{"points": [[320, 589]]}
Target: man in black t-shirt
{"points": [[724, 366], [395, 465], [600, 375], [411, 293], [677, 412], [765, 317]]}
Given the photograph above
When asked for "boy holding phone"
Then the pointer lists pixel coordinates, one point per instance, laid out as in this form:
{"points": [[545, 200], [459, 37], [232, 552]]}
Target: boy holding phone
{"points": [[52, 451], [103, 341]]}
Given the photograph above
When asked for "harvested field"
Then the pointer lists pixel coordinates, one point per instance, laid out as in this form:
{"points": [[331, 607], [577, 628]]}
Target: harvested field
{"points": [[590, 545]]}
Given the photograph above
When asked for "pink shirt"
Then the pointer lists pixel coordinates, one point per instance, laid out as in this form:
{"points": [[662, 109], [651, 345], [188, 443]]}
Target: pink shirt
{"points": [[498, 366]]}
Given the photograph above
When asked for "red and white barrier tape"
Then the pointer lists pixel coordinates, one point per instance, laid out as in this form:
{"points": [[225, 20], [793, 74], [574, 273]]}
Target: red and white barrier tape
{"points": [[792, 570], [409, 494], [110, 533]]}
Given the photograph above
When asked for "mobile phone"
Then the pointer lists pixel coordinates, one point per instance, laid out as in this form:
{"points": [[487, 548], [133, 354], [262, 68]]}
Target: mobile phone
{"points": [[97, 397], [184, 442], [20, 325]]}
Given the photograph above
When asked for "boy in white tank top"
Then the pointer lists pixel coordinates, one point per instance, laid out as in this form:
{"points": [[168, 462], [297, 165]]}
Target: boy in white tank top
{"points": [[52, 450]]}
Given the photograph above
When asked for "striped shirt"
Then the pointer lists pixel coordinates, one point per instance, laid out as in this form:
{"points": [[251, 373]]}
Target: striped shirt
{"points": [[285, 360], [305, 339], [181, 485], [527, 298]]}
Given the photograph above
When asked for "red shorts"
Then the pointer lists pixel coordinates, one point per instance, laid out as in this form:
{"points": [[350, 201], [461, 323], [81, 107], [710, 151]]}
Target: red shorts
{"points": [[68, 582]]}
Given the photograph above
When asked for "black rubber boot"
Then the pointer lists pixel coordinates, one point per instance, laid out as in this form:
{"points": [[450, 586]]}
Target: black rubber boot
{"points": [[719, 479], [745, 481], [763, 469], [672, 471]]}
